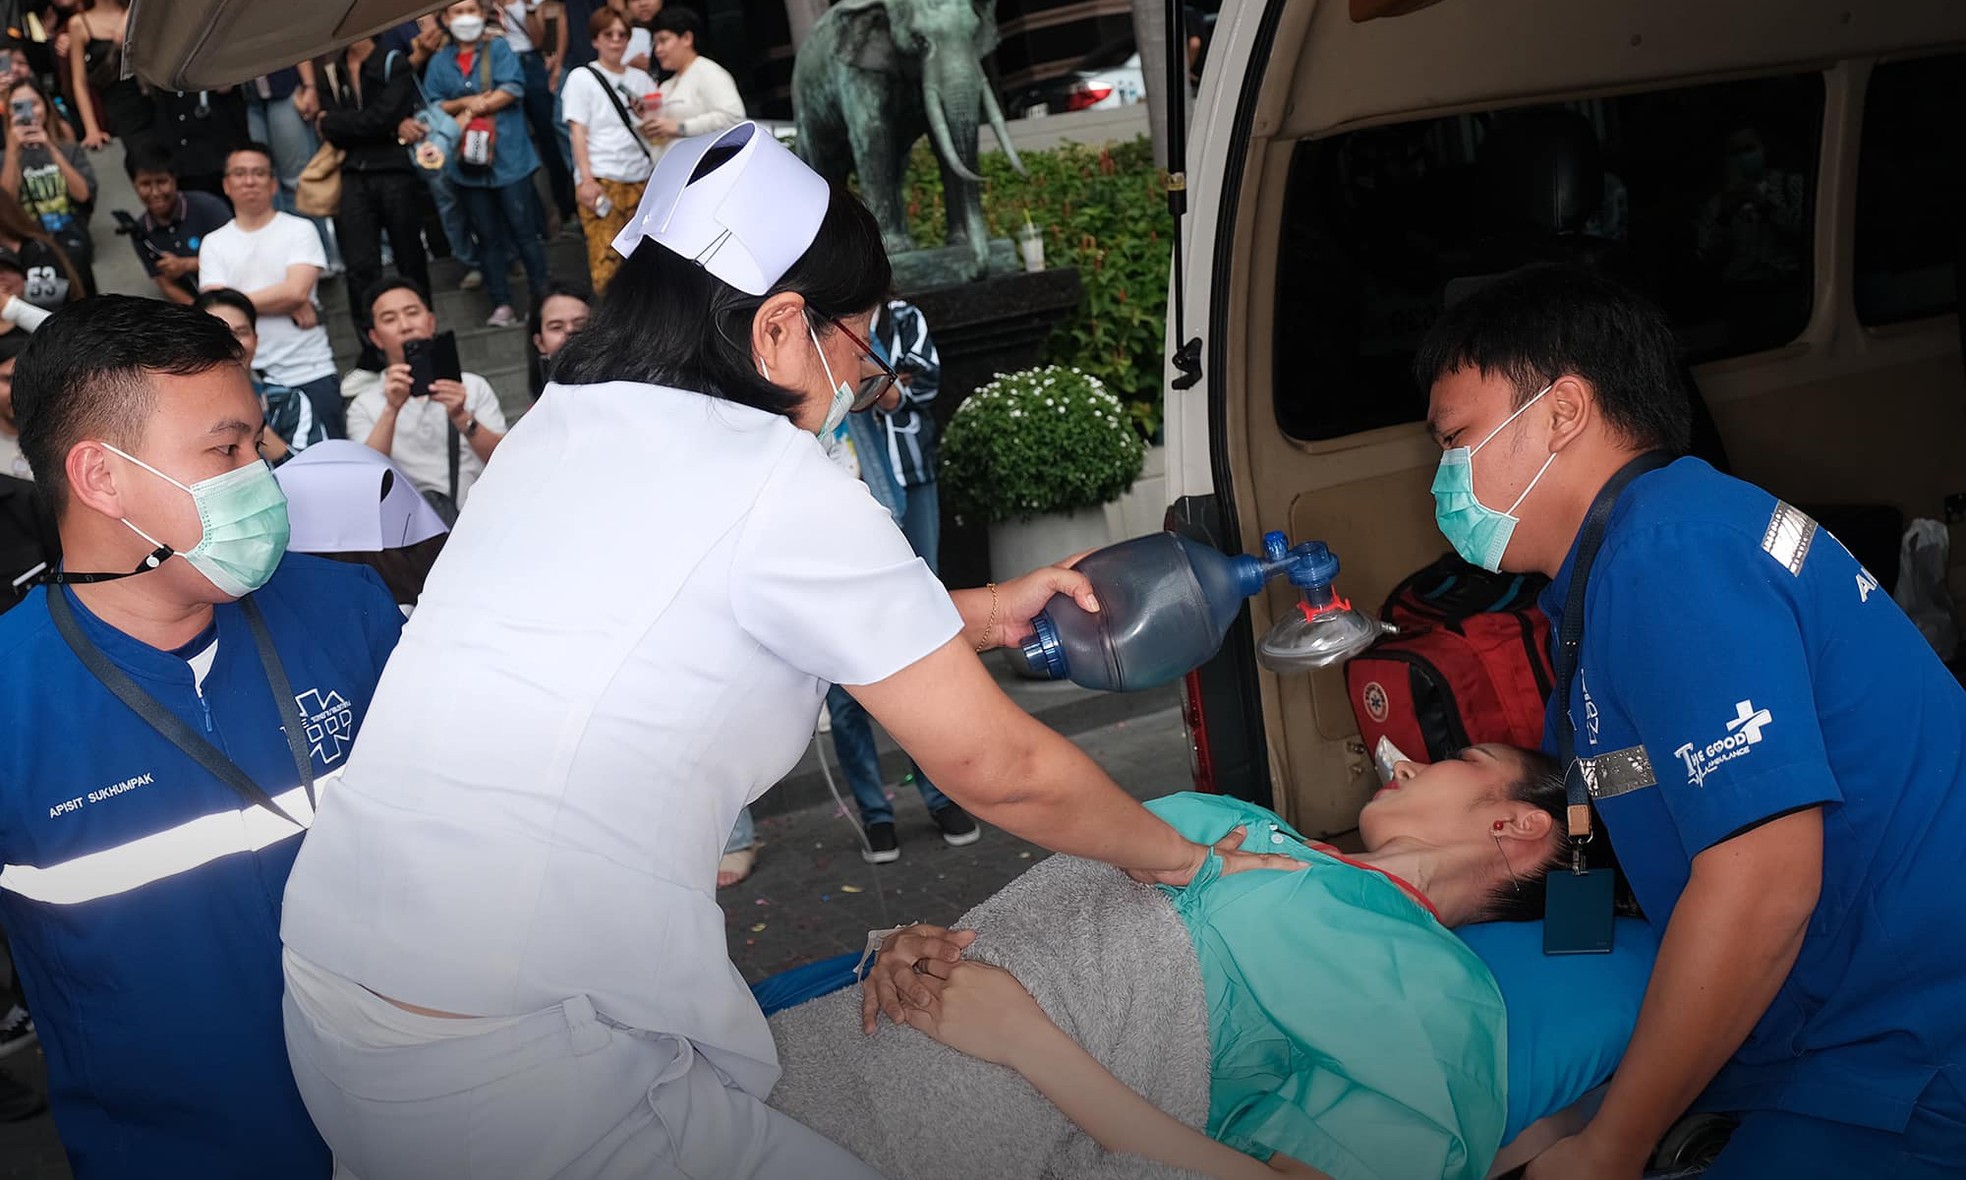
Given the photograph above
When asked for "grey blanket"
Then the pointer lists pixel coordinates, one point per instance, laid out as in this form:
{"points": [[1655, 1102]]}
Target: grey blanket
{"points": [[1111, 963]]}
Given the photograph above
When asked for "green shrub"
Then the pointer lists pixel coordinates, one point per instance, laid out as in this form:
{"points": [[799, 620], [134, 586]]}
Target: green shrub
{"points": [[1104, 211], [1043, 440]]}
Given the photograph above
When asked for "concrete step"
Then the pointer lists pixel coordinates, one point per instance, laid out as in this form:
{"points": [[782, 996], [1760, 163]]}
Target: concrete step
{"points": [[566, 260]]}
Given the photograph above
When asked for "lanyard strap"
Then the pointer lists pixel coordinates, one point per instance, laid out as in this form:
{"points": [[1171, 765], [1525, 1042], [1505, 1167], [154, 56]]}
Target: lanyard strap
{"points": [[176, 731], [1570, 638]]}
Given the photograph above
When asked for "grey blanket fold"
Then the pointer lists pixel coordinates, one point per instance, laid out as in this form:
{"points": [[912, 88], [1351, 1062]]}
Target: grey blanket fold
{"points": [[1112, 964]]}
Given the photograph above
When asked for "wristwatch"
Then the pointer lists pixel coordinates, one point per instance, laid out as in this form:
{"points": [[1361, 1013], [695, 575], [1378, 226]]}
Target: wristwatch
{"points": [[470, 427]]}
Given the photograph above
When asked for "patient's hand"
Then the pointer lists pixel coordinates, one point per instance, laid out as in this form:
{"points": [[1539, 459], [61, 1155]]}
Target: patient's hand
{"points": [[893, 985], [983, 1011]]}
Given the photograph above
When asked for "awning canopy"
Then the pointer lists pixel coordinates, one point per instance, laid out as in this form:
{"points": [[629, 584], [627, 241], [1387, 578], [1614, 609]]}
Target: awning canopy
{"points": [[204, 44]]}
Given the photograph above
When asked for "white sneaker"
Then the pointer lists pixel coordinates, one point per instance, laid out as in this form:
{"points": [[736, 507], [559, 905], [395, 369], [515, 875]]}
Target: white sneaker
{"points": [[502, 316], [472, 280]]}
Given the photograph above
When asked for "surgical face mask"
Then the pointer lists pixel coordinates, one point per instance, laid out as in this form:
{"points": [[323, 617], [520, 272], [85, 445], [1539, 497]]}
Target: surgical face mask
{"points": [[244, 517], [842, 392], [467, 28], [1478, 533]]}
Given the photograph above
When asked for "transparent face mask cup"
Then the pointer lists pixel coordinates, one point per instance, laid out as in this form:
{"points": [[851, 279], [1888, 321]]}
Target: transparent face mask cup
{"points": [[1321, 629]]}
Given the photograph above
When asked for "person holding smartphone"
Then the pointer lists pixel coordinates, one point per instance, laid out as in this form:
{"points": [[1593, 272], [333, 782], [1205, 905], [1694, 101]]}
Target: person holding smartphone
{"points": [[50, 175], [423, 424]]}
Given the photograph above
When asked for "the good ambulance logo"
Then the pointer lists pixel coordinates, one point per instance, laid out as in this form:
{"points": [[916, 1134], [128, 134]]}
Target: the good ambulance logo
{"points": [[1743, 733], [330, 723], [1375, 701], [1591, 720]]}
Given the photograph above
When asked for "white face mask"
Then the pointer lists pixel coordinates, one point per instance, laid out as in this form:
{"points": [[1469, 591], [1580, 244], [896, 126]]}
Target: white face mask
{"points": [[467, 28], [842, 392]]}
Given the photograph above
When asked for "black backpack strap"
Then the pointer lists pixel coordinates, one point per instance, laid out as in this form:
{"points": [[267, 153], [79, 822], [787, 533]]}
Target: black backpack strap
{"points": [[455, 442]]}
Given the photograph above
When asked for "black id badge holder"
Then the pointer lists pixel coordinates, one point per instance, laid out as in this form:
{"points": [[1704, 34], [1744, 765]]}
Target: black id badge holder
{"points": [[1577, 911]]}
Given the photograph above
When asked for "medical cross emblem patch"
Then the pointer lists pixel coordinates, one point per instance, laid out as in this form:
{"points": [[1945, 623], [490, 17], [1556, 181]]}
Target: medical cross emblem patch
{"points": [[1743, 734], [330, 723]]}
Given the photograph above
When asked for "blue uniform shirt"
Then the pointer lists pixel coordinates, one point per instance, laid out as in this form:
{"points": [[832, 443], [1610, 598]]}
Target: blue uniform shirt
{"points": [[1739, 664], [142, 896]]}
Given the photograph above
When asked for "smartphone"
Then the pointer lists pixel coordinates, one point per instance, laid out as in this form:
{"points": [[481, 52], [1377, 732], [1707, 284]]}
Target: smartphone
{"points": [[24, 111], [434, 359]]}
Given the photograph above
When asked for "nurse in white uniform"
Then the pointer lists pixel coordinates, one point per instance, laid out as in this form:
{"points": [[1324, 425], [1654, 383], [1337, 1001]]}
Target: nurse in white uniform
{"points": [[504, 953]]}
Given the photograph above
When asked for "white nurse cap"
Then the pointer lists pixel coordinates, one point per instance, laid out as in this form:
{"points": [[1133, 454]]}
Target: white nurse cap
{"points": [[747, 220]]}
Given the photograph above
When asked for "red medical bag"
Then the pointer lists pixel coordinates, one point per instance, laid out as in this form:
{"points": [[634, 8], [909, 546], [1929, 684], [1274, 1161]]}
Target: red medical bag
{"points": [[1470, 663]]}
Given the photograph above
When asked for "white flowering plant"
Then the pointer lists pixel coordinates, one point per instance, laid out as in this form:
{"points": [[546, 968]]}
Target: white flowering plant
{"points": [[1042, 440]]}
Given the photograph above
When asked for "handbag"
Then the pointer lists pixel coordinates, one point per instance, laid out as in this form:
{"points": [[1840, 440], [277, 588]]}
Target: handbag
{"points": [[477, 152], [318, 191]]}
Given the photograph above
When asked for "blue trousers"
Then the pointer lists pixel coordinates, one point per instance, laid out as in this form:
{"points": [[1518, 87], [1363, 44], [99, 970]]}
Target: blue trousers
{"points": [[853, 743], [1773, 1143], [542, 109], [275, 123], [921, 522], [450, 212], [505, 218], [743, 833]]}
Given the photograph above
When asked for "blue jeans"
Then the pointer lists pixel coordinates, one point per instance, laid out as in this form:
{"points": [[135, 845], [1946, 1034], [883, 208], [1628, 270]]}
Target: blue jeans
{"points": [[743, 834], [921, 522], [450, 212], [542, 109], [275, 123], [502, 218], [853, 743], [870, 448], [324, 395]]}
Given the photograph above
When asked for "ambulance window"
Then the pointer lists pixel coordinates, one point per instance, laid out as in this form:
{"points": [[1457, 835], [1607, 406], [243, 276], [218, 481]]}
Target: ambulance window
{"points": [[1911, 190], [1703, 197]]}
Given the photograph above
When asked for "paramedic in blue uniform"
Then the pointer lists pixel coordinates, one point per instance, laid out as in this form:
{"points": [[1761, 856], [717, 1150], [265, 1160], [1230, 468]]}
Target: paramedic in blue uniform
{"points": [[140, 887], [1777, 753]]}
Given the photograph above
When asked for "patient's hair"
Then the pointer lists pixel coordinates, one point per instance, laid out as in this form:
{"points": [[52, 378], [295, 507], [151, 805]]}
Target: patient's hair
{"points": [[1539, 781]]}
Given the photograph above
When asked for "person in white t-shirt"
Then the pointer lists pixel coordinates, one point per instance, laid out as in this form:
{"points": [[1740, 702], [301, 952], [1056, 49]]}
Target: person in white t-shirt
{"points": [[700, 96], [414, 429], [504, 954], [603, 103], [276, 259]]}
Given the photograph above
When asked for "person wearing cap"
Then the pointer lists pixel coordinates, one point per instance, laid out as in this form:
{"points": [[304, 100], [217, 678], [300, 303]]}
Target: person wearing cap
{"points": [[504, 951], [172, 708]]}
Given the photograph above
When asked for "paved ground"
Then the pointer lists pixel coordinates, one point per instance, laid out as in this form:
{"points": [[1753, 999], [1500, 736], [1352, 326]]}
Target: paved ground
{"points": [[811, 896]]}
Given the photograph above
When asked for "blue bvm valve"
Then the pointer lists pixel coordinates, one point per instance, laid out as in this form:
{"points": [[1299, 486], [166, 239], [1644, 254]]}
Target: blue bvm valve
{"points": [[1167, 601]]}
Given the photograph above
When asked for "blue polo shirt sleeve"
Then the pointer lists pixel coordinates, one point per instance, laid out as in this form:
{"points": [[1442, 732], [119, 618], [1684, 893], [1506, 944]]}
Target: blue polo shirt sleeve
{"points": [[1700, 637]]}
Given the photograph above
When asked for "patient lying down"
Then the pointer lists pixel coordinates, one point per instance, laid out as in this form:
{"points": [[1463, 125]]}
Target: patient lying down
{"points": [[1317, 1022]]}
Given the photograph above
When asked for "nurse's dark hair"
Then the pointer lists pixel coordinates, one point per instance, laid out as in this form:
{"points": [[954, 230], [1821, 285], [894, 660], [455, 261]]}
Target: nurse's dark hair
{"points": [[666, 321], [1538, 324], [1518, 897], [84, 376]]}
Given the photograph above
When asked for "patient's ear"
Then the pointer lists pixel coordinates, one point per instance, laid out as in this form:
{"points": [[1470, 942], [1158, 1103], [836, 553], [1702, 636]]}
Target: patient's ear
{"points": [[1529, 823]]}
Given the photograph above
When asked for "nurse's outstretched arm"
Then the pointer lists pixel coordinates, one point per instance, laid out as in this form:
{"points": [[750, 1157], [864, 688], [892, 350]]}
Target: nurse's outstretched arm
{"points": [[1006, 767]]}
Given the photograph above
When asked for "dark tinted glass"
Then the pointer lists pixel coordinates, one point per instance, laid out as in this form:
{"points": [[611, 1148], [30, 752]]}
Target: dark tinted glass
{"points": [[1702, 197], [1911, 190]]}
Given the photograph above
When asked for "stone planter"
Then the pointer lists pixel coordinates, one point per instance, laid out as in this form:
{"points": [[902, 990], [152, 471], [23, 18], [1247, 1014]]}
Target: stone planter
{"points": [[1019, 546]]}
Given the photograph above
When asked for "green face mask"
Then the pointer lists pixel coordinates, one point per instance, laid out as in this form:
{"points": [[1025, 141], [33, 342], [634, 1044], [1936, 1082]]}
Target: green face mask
{"points": [[244, 515], [1480, 534]]}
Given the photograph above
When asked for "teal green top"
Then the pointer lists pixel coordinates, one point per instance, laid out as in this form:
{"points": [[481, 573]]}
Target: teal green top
{"points": [[1349, 1028]]}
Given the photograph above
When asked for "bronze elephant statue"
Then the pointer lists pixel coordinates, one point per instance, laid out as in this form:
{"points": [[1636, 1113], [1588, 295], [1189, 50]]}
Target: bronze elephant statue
{"points": [[873, 77]]}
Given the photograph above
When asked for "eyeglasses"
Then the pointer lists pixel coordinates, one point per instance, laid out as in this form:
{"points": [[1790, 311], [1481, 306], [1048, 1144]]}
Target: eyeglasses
{"points": [[874, 388]]}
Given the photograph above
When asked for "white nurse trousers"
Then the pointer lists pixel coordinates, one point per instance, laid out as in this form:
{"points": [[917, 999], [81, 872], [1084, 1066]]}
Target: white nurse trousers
{"points": [[562, 1094]]}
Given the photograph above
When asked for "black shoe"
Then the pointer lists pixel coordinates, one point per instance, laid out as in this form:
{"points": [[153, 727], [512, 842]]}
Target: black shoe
{"points": [[16, 1031], [882, 848], [18, 1103], [957, 828]]}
